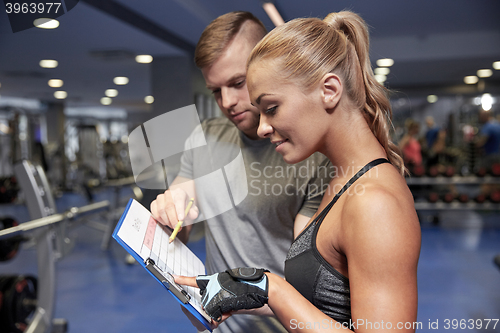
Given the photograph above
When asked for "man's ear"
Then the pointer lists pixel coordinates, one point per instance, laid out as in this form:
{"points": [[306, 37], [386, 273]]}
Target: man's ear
{"points": [[331, 90]]}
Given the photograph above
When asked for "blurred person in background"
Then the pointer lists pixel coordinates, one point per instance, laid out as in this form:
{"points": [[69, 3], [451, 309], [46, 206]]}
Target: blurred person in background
{"points": [[410, 145]]}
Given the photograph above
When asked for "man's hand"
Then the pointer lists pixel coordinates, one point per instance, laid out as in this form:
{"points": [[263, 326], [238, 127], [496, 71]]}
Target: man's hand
{"points": [[168, 208]]}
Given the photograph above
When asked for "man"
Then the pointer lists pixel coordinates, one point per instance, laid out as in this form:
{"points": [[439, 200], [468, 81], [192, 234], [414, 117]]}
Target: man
{"points": [[489, 136], [258, 230]]}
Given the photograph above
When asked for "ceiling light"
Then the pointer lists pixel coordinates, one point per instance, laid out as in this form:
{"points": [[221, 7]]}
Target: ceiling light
{"points": [[111, 92], [496, 65], [120, 80], [60, 94], [47, 63], [432, 98], [471, 79], [380, 78], [386, 62], [106, 101], [46, 23], [273, 13], [486, 102], [55, 83], [382, 70], [484, 73], [144, 58], [149, 99]]}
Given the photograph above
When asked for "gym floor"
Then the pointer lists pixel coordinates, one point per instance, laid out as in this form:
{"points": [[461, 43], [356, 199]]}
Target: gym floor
{"points": [[98, 292]]}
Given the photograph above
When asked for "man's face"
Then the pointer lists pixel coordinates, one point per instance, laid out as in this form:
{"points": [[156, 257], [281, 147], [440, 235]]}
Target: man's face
{"points": [[226, 78]]}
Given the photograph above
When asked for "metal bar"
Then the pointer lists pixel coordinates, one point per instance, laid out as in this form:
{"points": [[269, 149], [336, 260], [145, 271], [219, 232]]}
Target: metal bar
{"points": [[71, 213]]}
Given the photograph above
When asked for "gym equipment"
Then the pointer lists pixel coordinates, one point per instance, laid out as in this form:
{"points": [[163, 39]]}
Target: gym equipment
{"points": [[433, 171], [10, 246], [8, 189], [449, 171], [448, 197], [463, 198], [497, 260], [418, 170], [495, 169], [433, 197], [481, 172], [495, 196], [480, 198], [18, 300], [49, 235]]}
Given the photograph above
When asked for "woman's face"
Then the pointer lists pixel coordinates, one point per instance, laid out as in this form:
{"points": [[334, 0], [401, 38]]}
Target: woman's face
{"points": [[292, 118]]}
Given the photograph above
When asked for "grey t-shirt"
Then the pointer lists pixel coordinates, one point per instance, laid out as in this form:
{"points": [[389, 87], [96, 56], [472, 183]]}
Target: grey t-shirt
{"points": [[249, 197]]}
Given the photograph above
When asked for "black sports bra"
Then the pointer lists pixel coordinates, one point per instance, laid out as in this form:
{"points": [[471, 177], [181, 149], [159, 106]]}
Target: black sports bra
{"points": [[312, 275]]}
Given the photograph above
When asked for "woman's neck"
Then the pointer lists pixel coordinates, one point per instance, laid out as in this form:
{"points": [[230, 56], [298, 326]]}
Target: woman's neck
{"points": [[350, 144]]}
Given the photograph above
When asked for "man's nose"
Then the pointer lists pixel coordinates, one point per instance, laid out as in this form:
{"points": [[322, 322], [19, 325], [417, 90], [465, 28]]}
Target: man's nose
{"points": [[229, 97]]}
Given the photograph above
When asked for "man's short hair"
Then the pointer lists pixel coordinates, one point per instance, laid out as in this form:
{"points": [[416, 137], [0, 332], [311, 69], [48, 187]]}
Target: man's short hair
{"points": [[219, 33]]}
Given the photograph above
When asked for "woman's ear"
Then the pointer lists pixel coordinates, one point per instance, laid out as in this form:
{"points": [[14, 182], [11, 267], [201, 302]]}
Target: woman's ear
{"points": [[331, 90]]}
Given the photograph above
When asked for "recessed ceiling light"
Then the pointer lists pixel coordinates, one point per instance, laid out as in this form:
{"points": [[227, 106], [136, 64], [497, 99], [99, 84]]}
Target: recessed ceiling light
{"points": [[149, 99], [432, 98], [496, 65], [386, 62], [120, 80], [486, 102], [46, 23], [111, 92], [144, 58], [484, 73], [55, 83], [472, 79], [106, 101], [380, 78], [382, 70], [48, 63], [60, 94]]}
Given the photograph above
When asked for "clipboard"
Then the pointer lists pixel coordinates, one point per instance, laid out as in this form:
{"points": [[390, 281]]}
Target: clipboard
{"points": [[147, 241]]}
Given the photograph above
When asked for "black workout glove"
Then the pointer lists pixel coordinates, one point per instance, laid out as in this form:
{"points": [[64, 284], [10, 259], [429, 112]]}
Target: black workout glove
{"points": [[234, 289]]}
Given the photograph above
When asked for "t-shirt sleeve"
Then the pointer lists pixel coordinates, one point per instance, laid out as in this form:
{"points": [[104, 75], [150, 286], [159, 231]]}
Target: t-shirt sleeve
{"points": [[317, 186], [196, 139]]}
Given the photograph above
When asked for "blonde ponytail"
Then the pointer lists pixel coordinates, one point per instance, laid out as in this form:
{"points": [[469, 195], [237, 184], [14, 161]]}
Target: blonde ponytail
{"points": [[310, 48]]}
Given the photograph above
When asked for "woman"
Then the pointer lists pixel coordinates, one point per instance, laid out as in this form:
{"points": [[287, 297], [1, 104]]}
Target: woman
{"points": [[355, 263], [410, 146]]}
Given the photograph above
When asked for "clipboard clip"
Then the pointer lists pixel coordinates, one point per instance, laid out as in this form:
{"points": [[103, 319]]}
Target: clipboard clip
{"points": [[167, 281]]}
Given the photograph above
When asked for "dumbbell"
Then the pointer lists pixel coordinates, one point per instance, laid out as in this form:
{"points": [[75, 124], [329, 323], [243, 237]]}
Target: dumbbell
{"points": [[495, 196], [433, 171], [9, 246], [18, 295], [418, 170], [449, 171], [481, 172], [433, 197], [448, 197], [480, 198], [463, 198], [495, 169]]}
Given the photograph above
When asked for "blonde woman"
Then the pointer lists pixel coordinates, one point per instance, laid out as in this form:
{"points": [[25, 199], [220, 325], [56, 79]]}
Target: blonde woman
{"points": [[354, 266]]}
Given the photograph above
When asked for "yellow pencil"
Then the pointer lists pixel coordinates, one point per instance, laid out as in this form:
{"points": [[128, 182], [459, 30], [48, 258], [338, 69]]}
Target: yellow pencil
{"points": [[179, 224]]}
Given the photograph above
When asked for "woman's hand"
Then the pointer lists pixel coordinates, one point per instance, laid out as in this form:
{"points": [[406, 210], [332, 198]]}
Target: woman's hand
{"points": [[229, 291]]}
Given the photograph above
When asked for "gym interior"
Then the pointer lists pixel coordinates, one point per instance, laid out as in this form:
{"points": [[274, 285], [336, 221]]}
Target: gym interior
{"points": [[71, 95]]}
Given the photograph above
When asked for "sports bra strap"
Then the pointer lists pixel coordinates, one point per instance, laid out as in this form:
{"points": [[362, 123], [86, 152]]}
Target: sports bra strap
{"points": [[351, 181]]}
